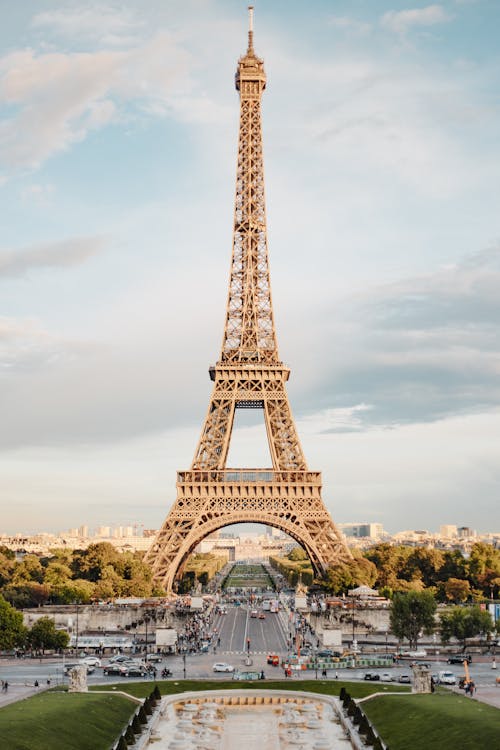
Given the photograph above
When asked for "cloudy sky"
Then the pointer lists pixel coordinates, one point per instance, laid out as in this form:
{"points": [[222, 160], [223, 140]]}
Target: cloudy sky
{"points": [[118, 135]]}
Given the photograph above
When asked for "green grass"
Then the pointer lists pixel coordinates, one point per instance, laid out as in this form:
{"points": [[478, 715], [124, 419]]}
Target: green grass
{"points": [[248, 576], [326, 687], [442, 721], [69, 721]]}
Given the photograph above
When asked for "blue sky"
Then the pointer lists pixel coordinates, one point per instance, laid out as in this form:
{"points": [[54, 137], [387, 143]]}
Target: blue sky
{"points": [[118, 135]]}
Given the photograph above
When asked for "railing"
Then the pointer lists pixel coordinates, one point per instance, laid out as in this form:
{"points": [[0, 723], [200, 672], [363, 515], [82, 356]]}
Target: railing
{"points": [[244, 476]]}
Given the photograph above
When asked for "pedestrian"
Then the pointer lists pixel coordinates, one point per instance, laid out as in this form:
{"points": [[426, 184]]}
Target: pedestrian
{"points": [[5, 686], [336, 675], [48, 681], [323, 673], [36, 683]]}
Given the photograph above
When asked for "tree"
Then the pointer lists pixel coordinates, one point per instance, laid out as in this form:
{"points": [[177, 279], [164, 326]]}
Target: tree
{"points": [[297, 553], [44, 635], [412, 612], [465, 622], [456, 590], [12, 630]]}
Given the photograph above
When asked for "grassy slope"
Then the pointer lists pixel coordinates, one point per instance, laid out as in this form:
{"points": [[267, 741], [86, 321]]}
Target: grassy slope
{"points": [[73, 721], [327, 687], [442, 721]]}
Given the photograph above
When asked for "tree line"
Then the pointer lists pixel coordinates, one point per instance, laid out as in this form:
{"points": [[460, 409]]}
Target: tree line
{"points": [[97, 573]]}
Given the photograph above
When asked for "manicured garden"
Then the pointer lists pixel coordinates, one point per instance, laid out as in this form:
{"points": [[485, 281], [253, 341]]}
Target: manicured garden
{"points": [[93, 721], [443, 720], [248, 576], [325, 687], [73, 721]]}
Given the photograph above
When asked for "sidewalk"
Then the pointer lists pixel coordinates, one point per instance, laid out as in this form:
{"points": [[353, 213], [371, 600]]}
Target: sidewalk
{"points": [[17, 692]]}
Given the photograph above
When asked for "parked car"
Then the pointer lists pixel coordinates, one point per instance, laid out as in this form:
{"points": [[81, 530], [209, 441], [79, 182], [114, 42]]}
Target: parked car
{"points": [[326, 653], [223, 667], [404, 679], [373, 676], [386, 677], [92, 661]]}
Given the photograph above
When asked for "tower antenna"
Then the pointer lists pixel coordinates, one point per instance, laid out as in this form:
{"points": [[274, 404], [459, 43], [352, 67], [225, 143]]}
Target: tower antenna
{"points": [[250, 28]]}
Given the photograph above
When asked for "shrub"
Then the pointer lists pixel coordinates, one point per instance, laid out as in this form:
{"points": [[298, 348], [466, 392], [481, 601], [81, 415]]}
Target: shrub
{"points": [[129, 735], [122, 744], [136, 725]]}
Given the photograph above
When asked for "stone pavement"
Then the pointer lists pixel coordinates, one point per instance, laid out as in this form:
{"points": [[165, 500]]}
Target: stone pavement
{"points": [[17, 692]]}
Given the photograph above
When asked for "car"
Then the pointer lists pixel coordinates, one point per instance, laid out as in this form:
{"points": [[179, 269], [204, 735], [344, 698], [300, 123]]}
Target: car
{"points": [[247, 676], [222, 667], [326, 653], [154, 657], [262, 616], [69, 667], [386, 677], [112, 669], [459, 659], [404, 679], [134, 670], [92, 661], [254, 613], [119, 658], [446, 678], [373, 676], [273, 659]]}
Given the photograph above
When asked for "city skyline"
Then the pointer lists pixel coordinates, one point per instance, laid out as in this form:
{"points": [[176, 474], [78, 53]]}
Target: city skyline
{"points": [[117, 162]]}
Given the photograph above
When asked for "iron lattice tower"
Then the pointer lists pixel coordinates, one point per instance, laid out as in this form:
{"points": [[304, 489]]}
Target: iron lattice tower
{"points": [[249, 374]]}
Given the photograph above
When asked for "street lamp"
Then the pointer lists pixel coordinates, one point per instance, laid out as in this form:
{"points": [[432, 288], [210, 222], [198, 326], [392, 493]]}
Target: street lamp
{"points": [[146, 620], [184, 664]]}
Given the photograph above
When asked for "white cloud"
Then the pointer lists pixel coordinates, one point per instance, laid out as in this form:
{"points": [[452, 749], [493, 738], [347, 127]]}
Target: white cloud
{"points": [[403, 20], [62, 254], [96, 22], [346, 23], [58, 97]]}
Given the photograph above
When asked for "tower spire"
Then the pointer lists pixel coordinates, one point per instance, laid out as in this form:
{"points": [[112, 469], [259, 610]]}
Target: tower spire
{"points": [[250, 30]]}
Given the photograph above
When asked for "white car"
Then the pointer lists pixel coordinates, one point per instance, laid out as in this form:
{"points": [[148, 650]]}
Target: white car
{"points": [[223, 667], [92, 661], [446, 678], [385, 677]]}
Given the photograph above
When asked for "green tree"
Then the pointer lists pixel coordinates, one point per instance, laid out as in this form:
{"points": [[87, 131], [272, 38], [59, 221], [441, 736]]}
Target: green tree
{"points": [[29, 569], [12, 630], [457, 590], [297, 553], [412, 612], [43, 635], [91, 562], [465, 622]]}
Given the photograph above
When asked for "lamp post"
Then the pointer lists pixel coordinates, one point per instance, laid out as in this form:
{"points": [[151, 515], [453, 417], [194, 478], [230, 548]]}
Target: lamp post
{"points": [[184, 664], [146, 620], [76, 639]]}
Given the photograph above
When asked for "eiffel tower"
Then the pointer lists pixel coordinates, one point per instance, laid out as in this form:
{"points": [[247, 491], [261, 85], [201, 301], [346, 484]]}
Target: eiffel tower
{"points": [[248, 375]]}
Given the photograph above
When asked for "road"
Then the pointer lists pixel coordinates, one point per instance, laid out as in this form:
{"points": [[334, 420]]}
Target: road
{"points": [[237, 628], [267, 635]]}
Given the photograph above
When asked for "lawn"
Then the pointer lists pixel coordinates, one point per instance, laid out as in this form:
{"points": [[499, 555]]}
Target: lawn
{"points": [[442, 721], [326, 687], [70, 721], [248, 576]]}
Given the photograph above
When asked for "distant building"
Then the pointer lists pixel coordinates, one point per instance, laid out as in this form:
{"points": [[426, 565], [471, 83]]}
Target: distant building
{"points": [[362, 530], [465, 532], [448, 531]]}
